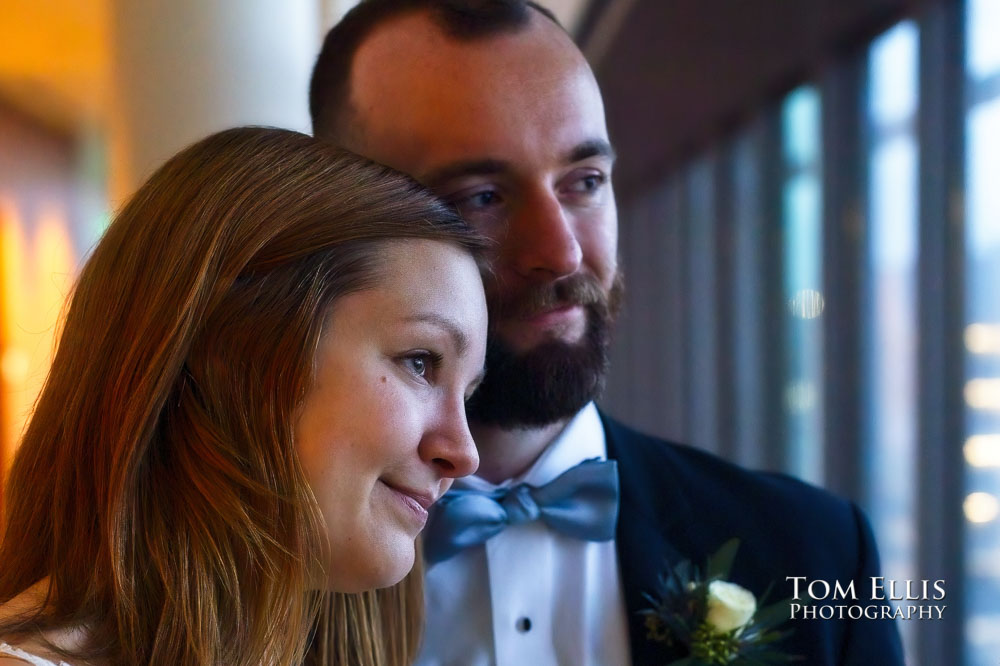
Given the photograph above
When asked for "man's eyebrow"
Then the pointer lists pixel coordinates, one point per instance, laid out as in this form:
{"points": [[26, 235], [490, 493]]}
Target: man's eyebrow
{"points": [[484, 167], [491, 167], [454, 330], [591, 148]]}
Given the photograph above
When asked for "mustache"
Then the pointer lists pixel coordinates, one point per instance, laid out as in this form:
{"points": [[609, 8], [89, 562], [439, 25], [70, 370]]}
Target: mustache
{"points": [[580, 289]]}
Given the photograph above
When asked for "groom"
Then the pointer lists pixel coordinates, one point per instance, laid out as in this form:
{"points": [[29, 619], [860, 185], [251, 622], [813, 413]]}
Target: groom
{"points": [[490, 104]]}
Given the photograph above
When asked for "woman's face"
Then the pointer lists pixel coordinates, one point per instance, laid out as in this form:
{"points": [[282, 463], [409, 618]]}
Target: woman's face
{"points": [[382, 431]]}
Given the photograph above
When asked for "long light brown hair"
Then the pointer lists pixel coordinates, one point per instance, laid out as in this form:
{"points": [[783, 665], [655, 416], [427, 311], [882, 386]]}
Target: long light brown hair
{"points": [[157, 485]]}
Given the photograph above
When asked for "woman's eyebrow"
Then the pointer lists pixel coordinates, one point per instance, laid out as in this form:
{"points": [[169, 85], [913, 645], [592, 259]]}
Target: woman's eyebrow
{"points": [[451, 327]]}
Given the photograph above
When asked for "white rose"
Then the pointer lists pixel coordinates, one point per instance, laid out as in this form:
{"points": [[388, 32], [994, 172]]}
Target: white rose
{"points": [[729, 606]]}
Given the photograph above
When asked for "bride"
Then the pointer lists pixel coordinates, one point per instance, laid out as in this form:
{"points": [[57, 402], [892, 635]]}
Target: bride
{"points": [[258, 392]]}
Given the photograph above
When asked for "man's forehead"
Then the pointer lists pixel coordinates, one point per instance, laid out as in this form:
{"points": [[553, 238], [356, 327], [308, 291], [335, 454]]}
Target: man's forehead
{"points": [[414, 48], [420, 98]]}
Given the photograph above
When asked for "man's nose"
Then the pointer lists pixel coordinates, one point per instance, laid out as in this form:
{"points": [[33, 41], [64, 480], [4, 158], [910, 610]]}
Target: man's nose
{"points": [[448, 444], [541, 241]]}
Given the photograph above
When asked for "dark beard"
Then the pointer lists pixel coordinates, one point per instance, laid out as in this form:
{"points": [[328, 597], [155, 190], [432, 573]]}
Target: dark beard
{"points": [[555, 379]]}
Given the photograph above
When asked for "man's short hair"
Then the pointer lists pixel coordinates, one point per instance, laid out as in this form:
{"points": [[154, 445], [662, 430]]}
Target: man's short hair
{"points": [[462, 20]]}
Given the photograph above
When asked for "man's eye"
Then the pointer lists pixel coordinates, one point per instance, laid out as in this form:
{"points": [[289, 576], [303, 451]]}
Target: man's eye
{"points": [[478, 200], [479, 207], [589, 183]]}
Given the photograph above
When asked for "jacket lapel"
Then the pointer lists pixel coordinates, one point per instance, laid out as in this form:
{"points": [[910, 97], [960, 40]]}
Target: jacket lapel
{"points": [[653, 524]]}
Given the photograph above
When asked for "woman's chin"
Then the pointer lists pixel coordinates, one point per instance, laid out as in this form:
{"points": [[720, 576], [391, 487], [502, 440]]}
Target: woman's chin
{"points": [[384, 568]]}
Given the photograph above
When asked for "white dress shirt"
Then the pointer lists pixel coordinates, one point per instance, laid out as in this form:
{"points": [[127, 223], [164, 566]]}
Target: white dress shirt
{"points": [[531, 596]]}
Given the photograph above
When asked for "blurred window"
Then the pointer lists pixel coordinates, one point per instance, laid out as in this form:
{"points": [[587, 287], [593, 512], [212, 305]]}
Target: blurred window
{"points": [[982, 333], [890, 321], [801, 220]]}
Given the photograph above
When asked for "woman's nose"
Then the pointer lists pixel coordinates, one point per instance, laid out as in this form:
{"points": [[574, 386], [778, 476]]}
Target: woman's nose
{"points": [[448, 445]]}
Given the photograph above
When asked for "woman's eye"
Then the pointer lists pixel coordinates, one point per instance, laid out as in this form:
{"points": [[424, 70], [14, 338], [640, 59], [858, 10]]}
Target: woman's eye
{"points": [[422, 364], [418, 365]]}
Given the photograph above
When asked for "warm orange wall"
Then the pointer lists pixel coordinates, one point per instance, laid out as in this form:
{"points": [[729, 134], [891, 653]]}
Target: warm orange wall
{"points": [[54, 61], [37, 262]]}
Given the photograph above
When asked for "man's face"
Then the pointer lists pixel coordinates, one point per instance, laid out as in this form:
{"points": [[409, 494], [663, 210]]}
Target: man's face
{"points": [[511, 130]]}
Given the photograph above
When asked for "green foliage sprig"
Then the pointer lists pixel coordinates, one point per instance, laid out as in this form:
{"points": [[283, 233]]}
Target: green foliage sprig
{"points": [[713, 621]]}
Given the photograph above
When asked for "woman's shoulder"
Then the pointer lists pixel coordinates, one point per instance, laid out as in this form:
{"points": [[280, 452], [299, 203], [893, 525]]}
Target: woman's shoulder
{"points": [[15, 656], [35, 650], [12, 659]]}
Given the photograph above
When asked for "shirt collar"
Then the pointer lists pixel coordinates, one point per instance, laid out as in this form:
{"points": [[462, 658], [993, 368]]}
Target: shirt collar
{"points": [[581, 439]]}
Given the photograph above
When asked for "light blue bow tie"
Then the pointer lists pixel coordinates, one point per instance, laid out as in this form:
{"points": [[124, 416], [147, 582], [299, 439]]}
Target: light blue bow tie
{"points": [[582, 502]]}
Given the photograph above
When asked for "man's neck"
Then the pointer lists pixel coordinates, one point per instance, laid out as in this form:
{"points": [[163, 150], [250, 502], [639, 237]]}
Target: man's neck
{"points": [[504, 454]]}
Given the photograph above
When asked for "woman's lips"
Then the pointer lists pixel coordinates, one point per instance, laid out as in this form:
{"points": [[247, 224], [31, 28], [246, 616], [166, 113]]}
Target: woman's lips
{"points": [[416, 502]]}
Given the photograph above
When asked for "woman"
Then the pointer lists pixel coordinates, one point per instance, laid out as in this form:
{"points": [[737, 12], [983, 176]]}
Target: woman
{"points": [[258, 391]]}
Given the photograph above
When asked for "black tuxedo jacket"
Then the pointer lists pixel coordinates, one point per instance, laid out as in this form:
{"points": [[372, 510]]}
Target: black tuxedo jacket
{"points": [[679, 503]]}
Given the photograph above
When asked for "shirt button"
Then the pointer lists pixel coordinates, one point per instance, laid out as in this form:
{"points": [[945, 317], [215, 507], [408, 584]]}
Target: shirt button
{"points": [[523, 625]]}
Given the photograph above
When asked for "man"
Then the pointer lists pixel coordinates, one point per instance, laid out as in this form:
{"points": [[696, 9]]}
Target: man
{"points": [[490, 104]]}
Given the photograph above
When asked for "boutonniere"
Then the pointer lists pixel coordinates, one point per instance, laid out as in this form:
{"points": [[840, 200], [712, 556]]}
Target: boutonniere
{"points": [[716, 622]]}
